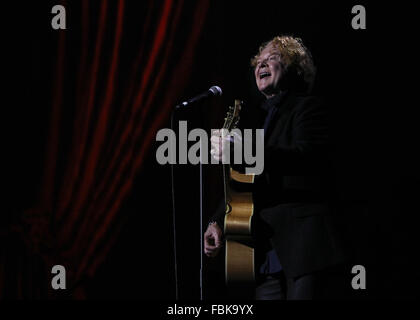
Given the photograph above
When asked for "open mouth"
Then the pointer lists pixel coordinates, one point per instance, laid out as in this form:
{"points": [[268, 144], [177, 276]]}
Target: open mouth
{"points": [[264, 75]]}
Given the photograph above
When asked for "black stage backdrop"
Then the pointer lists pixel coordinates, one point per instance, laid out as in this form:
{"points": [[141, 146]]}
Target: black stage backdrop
{"points": [[85, 103]]}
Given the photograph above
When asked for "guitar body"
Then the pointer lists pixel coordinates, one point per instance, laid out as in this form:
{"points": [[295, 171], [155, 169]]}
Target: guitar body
{"points": [[239, 259]]}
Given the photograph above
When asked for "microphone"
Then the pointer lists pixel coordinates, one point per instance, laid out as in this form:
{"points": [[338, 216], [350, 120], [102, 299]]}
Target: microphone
{"points": [[213, 91]]}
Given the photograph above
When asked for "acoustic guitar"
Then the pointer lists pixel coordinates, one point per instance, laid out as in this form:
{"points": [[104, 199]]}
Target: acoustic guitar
{"points": [[239, 259]]}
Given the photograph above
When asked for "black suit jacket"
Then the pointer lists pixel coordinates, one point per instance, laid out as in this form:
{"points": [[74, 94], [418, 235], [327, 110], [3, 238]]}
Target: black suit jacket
{"points": [[293, 197]]}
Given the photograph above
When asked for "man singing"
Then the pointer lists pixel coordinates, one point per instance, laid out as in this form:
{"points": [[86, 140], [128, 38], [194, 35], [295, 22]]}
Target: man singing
{"points": [[298, 254]]}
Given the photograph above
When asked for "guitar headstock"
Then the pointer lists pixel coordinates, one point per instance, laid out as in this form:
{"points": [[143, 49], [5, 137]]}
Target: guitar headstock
{"points": [[232, 116]]}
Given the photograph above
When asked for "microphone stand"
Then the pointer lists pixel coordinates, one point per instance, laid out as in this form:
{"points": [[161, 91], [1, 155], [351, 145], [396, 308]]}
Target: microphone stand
{"points": [[174, 218], [201, 218], [201, 221]]}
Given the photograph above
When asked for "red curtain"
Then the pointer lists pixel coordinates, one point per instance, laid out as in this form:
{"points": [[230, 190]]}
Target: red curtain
{"points": [[119, 69]]}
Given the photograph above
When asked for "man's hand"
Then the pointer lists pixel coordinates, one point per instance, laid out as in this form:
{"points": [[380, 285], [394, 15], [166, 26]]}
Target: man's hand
{"points": [[212, 240], [220, 143]]}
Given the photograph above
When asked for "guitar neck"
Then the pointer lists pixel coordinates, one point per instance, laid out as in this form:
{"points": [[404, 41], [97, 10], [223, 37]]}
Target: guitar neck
{"points": [[226, 180]]}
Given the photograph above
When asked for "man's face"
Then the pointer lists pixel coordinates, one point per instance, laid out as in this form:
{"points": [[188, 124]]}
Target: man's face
{"points": [[268, 72]]}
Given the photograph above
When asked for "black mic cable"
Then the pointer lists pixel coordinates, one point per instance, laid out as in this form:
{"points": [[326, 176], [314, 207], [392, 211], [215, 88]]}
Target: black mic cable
{"points": [[174, 218]]}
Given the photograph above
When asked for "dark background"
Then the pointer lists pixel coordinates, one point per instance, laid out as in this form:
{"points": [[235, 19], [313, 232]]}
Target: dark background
{"points": [[362, 75]]}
